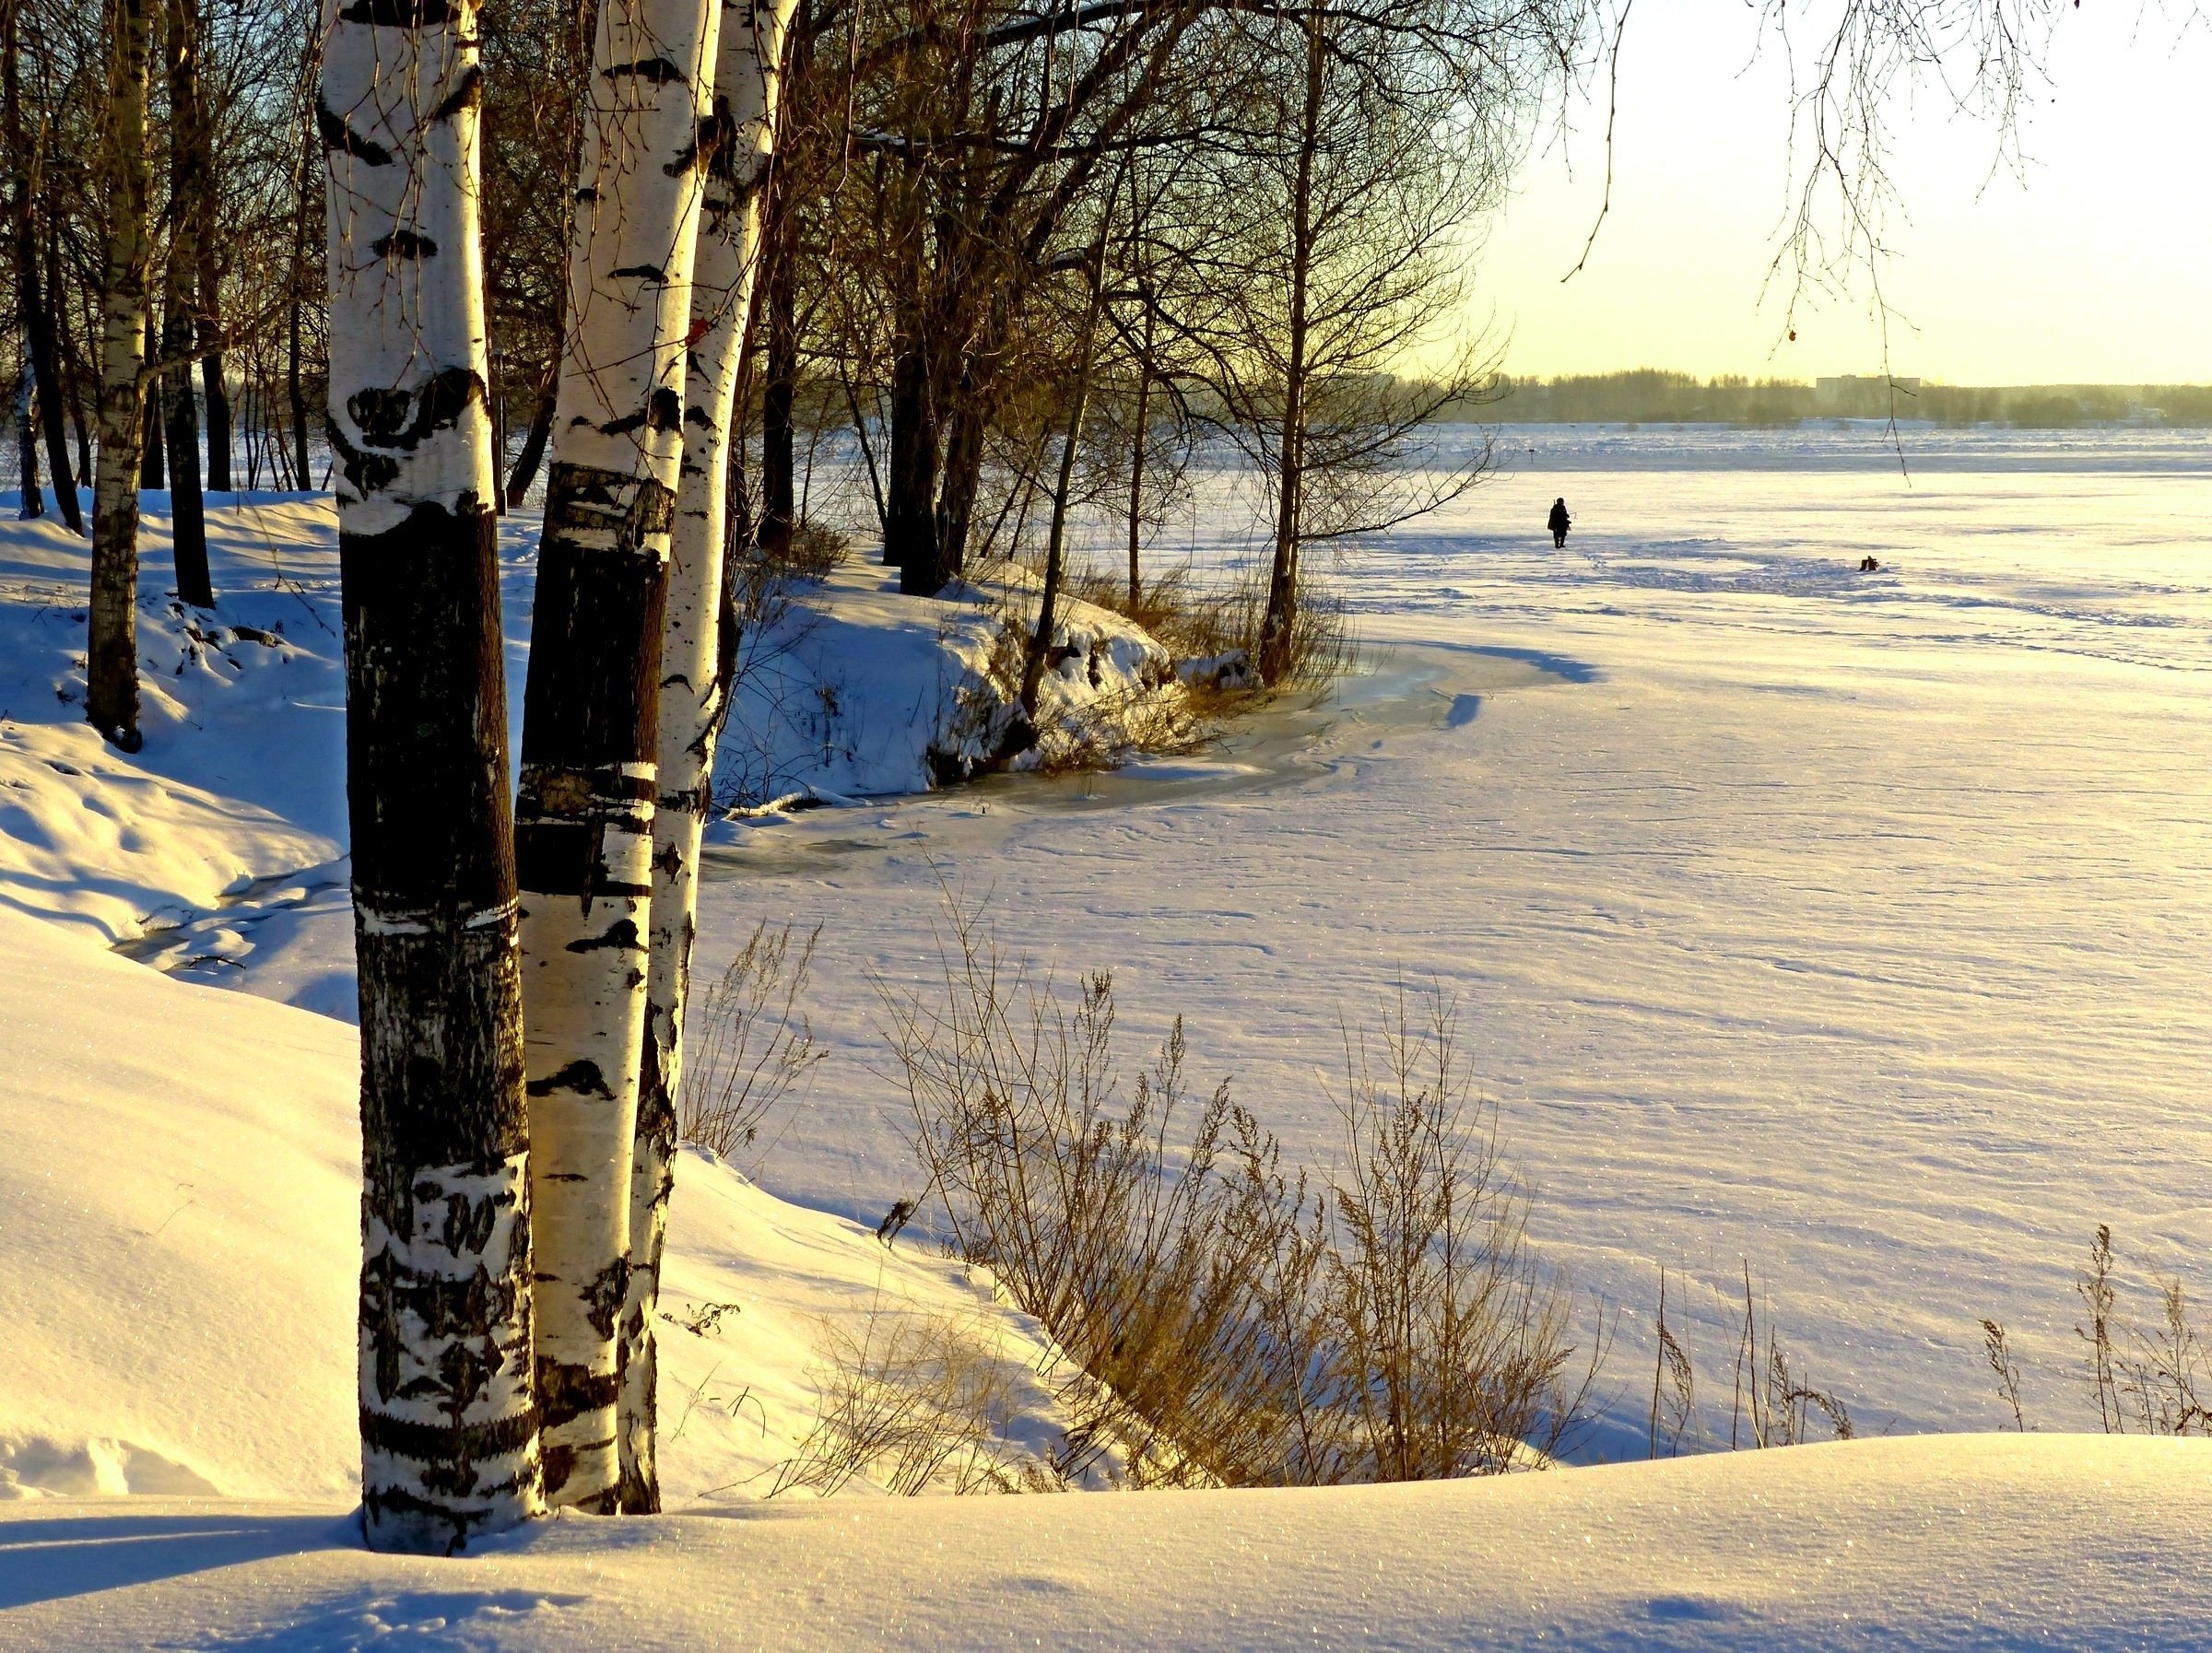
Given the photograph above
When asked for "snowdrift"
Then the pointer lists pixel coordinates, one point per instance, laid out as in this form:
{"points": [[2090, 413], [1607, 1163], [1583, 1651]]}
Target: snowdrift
{"points": [[2038, 1542], [852, 690], [179, 1188]]}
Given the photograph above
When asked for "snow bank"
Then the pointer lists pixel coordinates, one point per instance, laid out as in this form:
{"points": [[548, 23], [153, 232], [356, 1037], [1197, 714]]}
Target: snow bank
{"points": [[855, 690], [2039, 1541], [242, 775], [179, 1193]]}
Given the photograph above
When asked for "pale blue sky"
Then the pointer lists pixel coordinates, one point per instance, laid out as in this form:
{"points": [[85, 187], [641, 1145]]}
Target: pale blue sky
{"points": [[2096, 264]]}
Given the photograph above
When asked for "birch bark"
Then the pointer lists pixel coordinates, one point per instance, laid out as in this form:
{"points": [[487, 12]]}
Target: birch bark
{"points": [[738, 140], [449, 1427], [584, 826], [111, 643]]}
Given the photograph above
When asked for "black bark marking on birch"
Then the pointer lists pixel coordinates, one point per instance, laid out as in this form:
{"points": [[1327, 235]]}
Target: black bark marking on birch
{"points": [[652, 272], [400, 421], [337, 136], [622, 934], [405, 243], [717, 141], [608, 1290], [581, 1076], [657, 70], [402, 14], [467, 93]]}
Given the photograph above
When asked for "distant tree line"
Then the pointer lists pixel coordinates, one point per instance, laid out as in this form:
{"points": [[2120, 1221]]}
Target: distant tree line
{"points": [[1658, 396]]}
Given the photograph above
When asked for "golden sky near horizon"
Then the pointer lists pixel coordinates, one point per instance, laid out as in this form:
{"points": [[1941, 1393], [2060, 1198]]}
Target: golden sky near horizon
{"points": [[2092, 264]]}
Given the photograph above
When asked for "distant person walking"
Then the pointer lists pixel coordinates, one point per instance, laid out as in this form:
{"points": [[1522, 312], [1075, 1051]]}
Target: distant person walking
{"points": [[1559, 522]]}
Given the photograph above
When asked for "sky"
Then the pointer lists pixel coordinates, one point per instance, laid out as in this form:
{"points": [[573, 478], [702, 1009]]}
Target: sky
{"points": [[2092, 262]]}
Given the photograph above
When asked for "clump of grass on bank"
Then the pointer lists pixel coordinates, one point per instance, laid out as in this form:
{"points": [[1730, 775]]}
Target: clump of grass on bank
{"points": [[1235, 1323]]}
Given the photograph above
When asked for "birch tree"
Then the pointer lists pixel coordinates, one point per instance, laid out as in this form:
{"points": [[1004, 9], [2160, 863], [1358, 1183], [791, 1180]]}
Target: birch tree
{"points": [[111, 643], [740, 141], [449, 1432], [583, 817]]}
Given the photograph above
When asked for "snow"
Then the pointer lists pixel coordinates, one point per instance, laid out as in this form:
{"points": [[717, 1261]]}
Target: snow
{"points": [[1849, 925], [2045, 1543]]}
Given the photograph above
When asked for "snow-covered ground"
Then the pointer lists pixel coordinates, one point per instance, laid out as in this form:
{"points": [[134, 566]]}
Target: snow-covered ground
{"points": [[1852, 925]]}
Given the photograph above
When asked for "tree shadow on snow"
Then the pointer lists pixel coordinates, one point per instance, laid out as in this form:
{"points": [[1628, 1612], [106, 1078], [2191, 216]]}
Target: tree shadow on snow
{"points": [[48, 1560]]}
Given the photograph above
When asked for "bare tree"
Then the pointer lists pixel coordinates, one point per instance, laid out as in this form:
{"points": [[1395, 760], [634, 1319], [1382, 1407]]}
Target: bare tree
{"points": [[449, 1421]]}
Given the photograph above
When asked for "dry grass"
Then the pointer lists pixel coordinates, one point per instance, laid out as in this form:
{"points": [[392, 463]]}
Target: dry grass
{"points": [[748, 1047], [912, 1401], [1196, 621], [1233, 1324]]}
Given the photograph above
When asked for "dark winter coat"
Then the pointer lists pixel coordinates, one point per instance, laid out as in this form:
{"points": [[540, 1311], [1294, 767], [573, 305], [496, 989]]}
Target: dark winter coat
{"points": [[1559, 522]]}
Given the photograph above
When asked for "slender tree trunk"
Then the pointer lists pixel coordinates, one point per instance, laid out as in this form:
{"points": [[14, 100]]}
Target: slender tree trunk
{"points": [[449, 1430], [27, 438], [779, 391], [34, 298], [215, 390], [1137, 465], [111, 649], [691, 686], [152, 472], [583, 828], [1278, 628], [294, 375], [534, 440], [71, 382], [963, 477], [1055, 539], [181, 303]]}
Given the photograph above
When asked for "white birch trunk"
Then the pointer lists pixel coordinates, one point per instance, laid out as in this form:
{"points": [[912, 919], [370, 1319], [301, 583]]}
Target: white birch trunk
{"points": [[739, 141], [584, 815], [449, 1423]]}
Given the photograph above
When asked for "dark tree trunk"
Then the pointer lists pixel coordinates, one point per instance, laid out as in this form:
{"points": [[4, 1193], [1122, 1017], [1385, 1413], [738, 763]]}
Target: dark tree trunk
{"points": [[1055, 541], [533, 441], [1278, 626], [180, 303], [214, 393], [152, 472], [779, 503], [69, 385], [910, 527], [33, 297], [26, 440], [963, 479], [294, 375], [778, 303]]}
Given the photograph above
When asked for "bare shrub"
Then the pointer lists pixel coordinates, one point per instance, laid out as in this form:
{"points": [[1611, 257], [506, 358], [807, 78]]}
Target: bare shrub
{"points": [[1451, 1344], [813, 552], [2154, 1382], [1674, 1384], [1773, 1405], [1232, 1326], [1999, 1352], [910, 1401], [1201, 622], [748, 1046]]}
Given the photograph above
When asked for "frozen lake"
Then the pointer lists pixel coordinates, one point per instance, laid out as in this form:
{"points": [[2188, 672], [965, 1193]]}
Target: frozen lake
{"points": [[1856, 925]]}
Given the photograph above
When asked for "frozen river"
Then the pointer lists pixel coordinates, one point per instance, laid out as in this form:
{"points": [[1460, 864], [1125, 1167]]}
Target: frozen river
{"points": [[1856, 925]]}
